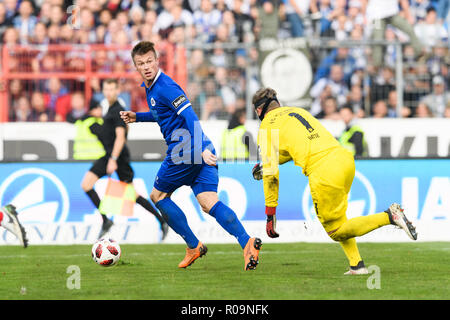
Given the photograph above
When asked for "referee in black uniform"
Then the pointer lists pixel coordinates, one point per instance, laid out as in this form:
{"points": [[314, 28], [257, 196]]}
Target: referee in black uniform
{"points": [[113, 135]]}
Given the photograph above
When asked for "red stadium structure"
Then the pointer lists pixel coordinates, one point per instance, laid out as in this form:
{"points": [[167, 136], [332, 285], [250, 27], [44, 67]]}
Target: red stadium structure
{"points": [[79, 65]]}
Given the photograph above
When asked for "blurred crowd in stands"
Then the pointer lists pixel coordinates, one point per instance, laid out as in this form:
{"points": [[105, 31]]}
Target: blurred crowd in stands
{"points": [[219, 78]]}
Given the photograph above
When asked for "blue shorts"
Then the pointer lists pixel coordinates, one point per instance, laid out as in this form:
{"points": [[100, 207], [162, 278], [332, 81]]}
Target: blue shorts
{"points": [[200, 177]]}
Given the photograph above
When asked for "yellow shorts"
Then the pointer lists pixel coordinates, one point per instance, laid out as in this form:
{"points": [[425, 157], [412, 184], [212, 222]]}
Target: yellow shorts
{"points": [[330, 184]]}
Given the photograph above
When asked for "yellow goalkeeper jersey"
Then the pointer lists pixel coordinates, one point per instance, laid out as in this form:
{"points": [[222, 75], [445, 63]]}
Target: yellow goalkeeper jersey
{"points": [[291, 133]]}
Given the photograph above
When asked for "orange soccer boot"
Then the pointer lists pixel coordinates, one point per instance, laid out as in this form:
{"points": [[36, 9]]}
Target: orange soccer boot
{"points": [[193, 254], [251, 253]]}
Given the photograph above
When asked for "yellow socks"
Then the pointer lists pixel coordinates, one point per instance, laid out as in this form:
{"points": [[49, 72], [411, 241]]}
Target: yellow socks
{"points": [[351, 251]]}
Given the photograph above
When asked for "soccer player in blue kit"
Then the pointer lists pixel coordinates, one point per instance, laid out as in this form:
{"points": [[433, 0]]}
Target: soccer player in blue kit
{"points": [[190, 159]]}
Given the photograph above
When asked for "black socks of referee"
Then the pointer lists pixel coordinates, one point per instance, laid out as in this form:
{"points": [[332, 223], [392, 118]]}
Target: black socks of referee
{"points": [[92, 194], [149, 207]]}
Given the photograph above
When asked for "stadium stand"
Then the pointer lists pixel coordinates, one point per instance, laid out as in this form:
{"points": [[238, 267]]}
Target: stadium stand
{"points": [[54, 49]]}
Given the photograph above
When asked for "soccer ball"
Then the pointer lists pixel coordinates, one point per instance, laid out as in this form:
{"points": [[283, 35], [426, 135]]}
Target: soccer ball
{"points": [[106, 252]]}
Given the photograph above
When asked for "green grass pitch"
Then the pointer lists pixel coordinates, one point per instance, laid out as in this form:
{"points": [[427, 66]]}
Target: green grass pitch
{"points": [[288, 271]]}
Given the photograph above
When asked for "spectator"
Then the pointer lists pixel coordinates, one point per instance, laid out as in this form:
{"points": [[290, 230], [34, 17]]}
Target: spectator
{"points": [[154, 5], [355, 14], [77, 107], [113, 6], [226, 92], [329, 110], [112, 29], [67, 34], [206, 20], [339, 56], [405, 112], [4, 23], [218, 58], [39, 111], [380, 109], [222, 35], [57, 15], [198, 67], [58, 99], [11, 36], [136, 16], [438, 99], [54, 33], [22, 110], [236, 79], [11, 9], [295, 11], [268, 20], [45, 12], [316, 106], [195, 95], [355, 101], [439, 61], [229, 21], [40, 34], [423, 111], [44, 62], [390, 52], [418, 9], [150, 17], [384, 82], [422, 81], [326, 12], [213, 108], [342, 27], [191, 5], [430, 31], [104, 18], [123, 20], [443, 11], [379, 14], [121, 40], [172, 15], [335, 81], [25, 22], [244, 22], [87, 24], [16, 91]]}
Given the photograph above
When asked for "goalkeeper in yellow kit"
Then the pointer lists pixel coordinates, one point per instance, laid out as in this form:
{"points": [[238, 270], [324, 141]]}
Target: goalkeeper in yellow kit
{"points": [[291, 133]]}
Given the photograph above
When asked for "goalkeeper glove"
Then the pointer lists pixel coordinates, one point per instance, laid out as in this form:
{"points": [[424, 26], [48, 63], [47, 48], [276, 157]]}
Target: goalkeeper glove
{"points": [[257, 171], [271, 222]]}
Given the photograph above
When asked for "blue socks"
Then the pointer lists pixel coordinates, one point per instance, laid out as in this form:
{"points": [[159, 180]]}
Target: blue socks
{"points": [[223, 214], [177, 221], [229, 221]]}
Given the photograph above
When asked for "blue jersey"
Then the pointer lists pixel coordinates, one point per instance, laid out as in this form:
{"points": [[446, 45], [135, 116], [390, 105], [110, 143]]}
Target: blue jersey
{"points": [[173, 112]]}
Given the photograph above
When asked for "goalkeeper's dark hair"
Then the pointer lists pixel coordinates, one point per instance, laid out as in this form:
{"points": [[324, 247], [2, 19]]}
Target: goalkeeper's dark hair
{"points": [[142, 48], [265, 98], [262, 94]]}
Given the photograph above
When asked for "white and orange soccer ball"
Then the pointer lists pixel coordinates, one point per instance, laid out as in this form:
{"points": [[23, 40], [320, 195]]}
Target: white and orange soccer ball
{"points": [[106, 252]]}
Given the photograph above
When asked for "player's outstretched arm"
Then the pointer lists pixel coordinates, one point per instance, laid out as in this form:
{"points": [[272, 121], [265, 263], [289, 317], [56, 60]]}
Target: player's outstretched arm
{"points": [[128, 116]]}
